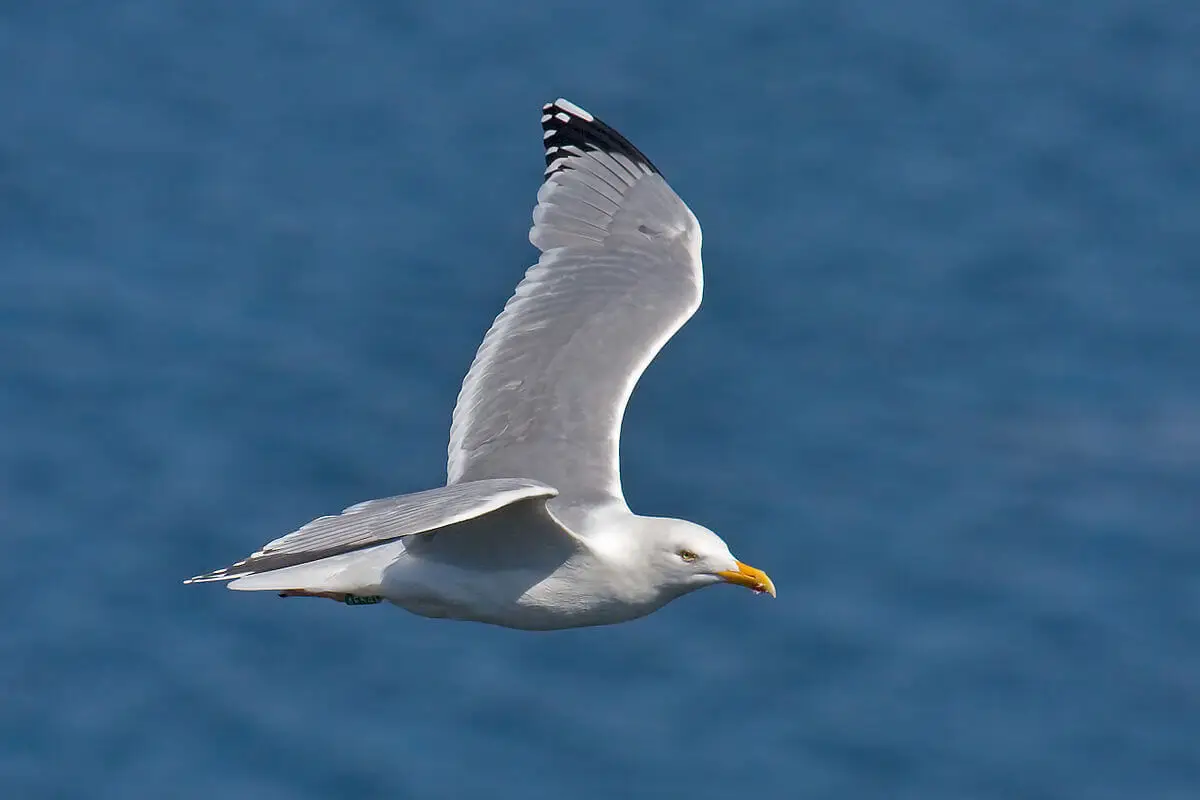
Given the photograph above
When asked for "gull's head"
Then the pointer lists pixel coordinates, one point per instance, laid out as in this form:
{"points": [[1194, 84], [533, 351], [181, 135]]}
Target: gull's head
{"points": [[689, 556]]}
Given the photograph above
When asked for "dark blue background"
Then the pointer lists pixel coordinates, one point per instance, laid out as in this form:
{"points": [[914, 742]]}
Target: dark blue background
{"points": [[944, 387]]}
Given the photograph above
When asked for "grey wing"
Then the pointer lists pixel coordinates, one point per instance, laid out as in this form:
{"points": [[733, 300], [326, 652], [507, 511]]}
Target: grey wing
{"points": [[620, 272], [378, 521]]}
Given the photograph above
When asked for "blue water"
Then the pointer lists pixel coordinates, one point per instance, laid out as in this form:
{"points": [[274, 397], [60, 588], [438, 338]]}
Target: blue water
{"points": [[945, 388]]}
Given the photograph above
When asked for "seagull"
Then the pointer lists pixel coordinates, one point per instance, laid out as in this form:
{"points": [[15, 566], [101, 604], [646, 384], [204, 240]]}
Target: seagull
{"points": [[531, 530]]}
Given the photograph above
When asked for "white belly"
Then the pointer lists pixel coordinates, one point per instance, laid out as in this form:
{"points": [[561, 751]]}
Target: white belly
{"points": [[525, 599]]}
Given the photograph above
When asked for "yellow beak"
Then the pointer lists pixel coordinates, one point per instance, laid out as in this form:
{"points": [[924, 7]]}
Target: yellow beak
{"points": [[750, 577]]}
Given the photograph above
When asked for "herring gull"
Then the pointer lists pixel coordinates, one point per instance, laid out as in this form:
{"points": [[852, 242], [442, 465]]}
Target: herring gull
{"points": [[532, 530]]}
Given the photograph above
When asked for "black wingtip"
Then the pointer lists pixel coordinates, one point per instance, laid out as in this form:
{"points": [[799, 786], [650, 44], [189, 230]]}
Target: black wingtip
{"points": [[565, 124]]}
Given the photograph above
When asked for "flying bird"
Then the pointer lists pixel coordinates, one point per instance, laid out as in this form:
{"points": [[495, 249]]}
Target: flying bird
{"points": [[531, 530]]}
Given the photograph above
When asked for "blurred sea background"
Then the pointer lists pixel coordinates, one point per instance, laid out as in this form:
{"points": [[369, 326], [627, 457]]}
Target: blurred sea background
{"points": [[945, 388]]}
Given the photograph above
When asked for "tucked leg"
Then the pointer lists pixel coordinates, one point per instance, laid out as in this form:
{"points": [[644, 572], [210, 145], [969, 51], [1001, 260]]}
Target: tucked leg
{"points": [[339, 597]]}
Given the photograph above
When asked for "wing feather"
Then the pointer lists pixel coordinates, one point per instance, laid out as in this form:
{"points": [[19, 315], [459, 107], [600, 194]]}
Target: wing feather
{"points": [[375, 522], [620, 272]]}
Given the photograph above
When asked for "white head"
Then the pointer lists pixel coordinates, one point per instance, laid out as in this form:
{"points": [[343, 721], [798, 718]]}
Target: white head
{"points": [[687, 556]]}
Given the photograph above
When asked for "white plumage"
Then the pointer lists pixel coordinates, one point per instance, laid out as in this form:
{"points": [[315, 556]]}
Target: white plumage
{"points": [[532, 529]]}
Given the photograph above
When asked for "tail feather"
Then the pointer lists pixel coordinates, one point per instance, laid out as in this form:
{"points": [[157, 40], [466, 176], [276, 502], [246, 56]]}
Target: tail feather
{"points": [[360, 573]]}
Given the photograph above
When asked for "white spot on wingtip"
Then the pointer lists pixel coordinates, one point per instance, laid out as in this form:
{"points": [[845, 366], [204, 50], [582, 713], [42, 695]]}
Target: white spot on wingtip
{"points": [[548, 134], [563, 117], [567, 105], [546, 117]]}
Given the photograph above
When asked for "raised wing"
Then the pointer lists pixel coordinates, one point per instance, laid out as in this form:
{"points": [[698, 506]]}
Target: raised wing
{"points": [[379, 521], [619, 273]]}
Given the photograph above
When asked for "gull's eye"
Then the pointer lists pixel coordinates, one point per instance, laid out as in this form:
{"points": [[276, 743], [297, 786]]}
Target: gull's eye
{"points": [[687, 555]]}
